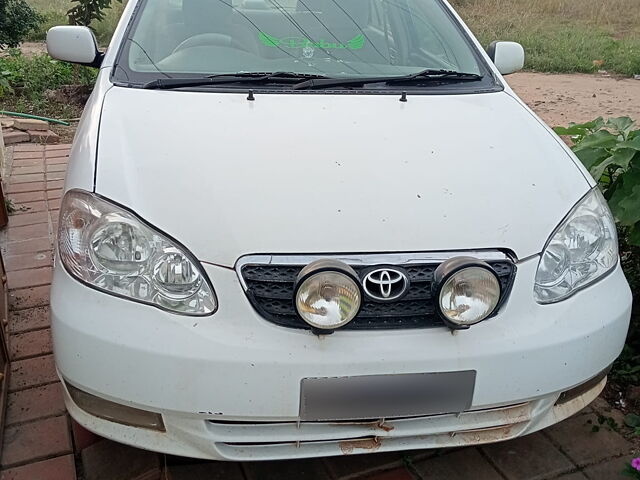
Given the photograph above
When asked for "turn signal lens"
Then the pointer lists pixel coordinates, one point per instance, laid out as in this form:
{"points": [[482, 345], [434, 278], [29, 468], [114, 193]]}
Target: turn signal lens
{"points": [[327, 299]]}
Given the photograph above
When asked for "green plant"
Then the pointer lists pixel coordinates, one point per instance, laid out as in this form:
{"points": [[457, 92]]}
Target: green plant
{"points": [[31, 77], [17, 19], [86, 11], [610, 150]]}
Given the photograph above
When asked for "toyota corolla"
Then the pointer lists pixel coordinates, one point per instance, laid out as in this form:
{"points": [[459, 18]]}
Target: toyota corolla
{"points": [[297, 228]]}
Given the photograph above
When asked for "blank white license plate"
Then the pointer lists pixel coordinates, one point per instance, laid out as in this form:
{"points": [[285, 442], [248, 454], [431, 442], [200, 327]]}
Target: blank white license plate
{"points": [[386, 396]]}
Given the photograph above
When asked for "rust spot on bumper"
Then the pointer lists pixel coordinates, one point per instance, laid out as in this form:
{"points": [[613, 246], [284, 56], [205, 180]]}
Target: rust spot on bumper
{"points": [[370, 444]]}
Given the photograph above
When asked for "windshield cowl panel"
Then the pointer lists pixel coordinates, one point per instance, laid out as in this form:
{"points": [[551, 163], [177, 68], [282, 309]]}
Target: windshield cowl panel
{"points": [[338, 42]]}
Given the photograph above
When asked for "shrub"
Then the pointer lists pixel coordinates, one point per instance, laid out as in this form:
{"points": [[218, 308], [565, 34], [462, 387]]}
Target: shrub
{"points": [[17, 19], [30, 77], [610, 150]]}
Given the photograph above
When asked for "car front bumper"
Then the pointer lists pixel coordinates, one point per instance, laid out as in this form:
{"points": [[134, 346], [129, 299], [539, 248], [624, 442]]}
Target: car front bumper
{"points": [[228, 385]]}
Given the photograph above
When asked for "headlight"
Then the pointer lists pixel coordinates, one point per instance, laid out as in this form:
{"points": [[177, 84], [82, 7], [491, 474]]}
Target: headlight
{"points": [[327, 294], [114, 251], [581, 250], [467, 290]]}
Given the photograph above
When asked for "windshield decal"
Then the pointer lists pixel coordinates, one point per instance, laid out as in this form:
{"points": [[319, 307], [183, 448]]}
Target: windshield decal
{"points": [[356, 43]]}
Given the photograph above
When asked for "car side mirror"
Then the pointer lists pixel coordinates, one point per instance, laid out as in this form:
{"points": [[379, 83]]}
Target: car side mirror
{"points": [[508, 57], [75, 44]]}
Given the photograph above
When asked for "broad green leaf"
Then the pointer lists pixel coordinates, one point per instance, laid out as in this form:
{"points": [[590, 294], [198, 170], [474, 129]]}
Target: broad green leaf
{"points": [[622, 125], [600, 139], [621, 158], [634, 236], [592, 156], [625, 202], [632, 420], [631, 143]]}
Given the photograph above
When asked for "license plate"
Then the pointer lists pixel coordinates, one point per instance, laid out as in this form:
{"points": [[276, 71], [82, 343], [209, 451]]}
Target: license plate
{"points": [[386, 396]]}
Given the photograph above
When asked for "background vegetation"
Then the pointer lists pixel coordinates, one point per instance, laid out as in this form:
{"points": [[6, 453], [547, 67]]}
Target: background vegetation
{"points": [[562, 35]]}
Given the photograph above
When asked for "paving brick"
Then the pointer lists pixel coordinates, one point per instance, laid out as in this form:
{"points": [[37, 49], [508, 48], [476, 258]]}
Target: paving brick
{"points": [[29, 319], [24, 187], [33, 277], [28, 162], [20, 218], [17, 170], [51, 176], [396, 474], [34, 403], [59, 153], [30, 344], [32, 372], [29, 297], [27, 260], [54, 204], [19, 155], [107, 460], [311, 469], [56, 167], [352, 464], [55, 184], [30, 124], [28, 246], [206, 471], [47, 136], [28, 148], [54, 194], [15, 136], [61, 146], [36, 440], [61, 159], [83, 438], [609, 470], [17, 198], [58, 468], [463, 464], [572, 476], [30, 207], [582, 445], [27, 232], [532, 457], [28, 178]]}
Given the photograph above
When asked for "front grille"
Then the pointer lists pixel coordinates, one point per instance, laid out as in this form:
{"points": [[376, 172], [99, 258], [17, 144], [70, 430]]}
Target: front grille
{"points": [[270, 289]]}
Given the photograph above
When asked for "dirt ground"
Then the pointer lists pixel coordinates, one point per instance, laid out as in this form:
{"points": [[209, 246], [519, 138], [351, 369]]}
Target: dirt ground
{"points": [[560, 99]]}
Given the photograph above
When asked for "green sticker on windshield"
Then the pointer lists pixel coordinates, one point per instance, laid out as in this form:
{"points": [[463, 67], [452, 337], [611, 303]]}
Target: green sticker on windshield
{"points": [[356, 43]]}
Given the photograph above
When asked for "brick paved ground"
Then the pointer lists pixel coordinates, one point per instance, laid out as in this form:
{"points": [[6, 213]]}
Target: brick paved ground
{"points": [[39, 444]]}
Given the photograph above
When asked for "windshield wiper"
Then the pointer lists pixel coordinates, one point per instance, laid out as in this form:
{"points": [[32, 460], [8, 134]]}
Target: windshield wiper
{"points": [[245, 77], [429, 75]]}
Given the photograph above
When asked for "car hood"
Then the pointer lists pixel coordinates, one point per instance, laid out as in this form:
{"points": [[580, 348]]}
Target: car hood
{"points": [[318, 173]]}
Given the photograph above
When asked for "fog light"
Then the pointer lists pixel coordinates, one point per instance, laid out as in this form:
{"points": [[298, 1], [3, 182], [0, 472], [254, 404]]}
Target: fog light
{"points": [[327, 294], [115, 412], [467, 290]]}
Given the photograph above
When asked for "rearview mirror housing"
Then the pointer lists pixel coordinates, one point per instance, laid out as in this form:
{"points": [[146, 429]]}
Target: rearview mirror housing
{"points": [[508, 57], [75, 44]]}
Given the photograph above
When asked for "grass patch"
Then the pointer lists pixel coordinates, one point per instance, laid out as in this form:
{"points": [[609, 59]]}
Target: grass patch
{"points": [[562, 35], [26, 83]]}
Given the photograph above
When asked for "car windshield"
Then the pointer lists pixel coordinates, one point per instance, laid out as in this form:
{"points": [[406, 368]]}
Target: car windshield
{"points": [[324, 38]]}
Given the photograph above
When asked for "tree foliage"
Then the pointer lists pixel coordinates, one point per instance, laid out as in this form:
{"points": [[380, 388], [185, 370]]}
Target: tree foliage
{"points": [[86, 11], [17, 19]]}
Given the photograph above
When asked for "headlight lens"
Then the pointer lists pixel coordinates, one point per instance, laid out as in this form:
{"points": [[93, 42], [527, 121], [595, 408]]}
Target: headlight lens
{"points": [[327, 299], [469, 296], [114, 251], [582, 249]]}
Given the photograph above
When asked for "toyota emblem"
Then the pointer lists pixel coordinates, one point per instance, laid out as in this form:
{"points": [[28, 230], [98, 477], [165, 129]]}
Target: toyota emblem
{"points": [[385, 284]]}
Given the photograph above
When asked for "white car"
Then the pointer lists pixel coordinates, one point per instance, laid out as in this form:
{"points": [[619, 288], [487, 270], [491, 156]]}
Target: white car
{"points": [[323, 227]]}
